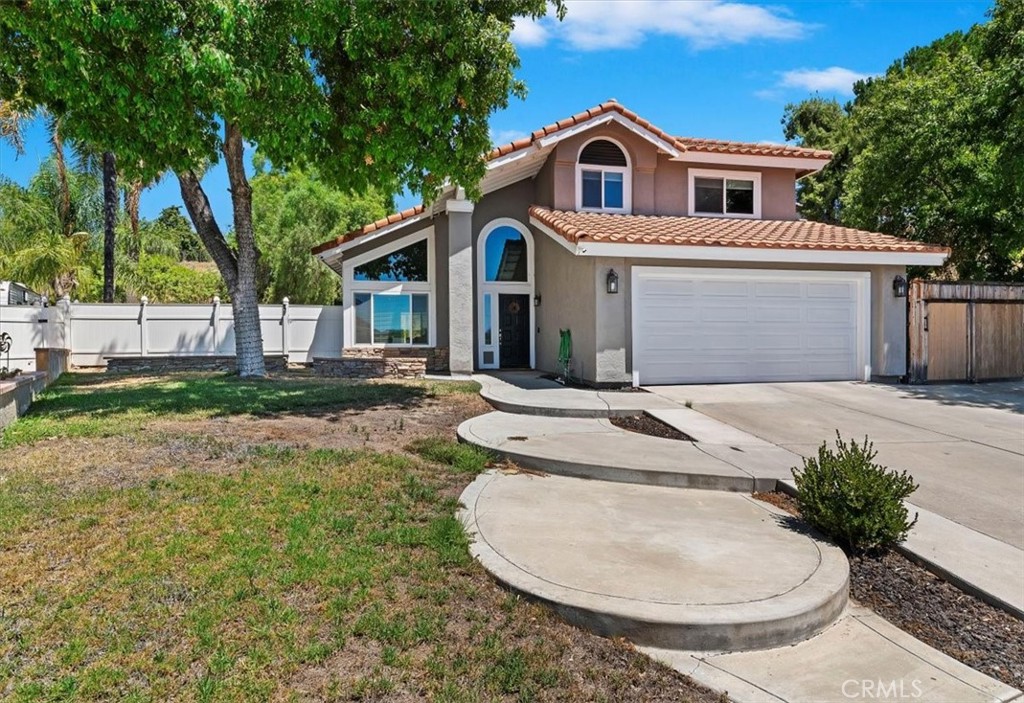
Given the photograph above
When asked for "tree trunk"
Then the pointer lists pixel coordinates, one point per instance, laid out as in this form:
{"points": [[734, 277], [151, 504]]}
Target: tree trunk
{"points": [[109, 223], [131, 207], [244, 297], [64, 205], [239, 271]]}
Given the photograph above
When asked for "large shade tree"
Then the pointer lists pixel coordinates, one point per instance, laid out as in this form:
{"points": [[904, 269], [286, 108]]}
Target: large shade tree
{"points": [[369, 92], [933, 149]]}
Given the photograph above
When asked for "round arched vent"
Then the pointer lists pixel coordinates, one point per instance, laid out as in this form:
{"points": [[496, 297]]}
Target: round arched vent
{"points": [[602, 152]]}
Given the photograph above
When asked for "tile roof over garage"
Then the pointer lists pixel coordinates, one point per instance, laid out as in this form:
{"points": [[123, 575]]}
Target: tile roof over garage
{"points": [[579, 227]]}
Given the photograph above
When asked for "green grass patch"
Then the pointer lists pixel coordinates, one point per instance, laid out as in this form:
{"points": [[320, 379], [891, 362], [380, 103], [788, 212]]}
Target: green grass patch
{"points": [[286, 573], [464, 458]]}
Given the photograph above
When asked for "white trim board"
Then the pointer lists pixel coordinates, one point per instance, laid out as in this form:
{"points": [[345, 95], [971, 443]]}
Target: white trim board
{"points": [[796, 163], [605, 118]]}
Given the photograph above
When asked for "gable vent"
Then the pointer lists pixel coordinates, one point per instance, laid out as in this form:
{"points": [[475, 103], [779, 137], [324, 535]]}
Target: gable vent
{"points": [[602, 152]]}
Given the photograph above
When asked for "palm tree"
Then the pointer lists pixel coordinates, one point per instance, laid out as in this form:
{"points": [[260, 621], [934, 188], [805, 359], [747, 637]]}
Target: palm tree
{"points": [[93, 160]]}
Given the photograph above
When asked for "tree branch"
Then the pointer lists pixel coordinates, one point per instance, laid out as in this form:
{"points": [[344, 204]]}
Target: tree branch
{"points": [[198, 206]]}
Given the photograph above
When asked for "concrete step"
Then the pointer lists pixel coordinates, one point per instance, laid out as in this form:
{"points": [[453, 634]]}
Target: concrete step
{"points": [[679, 569], [594, 448], [527, 393], [860, 657]]}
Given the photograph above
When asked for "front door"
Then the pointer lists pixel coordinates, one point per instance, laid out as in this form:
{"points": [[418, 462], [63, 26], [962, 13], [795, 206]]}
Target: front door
{"points": [[514, 330]]}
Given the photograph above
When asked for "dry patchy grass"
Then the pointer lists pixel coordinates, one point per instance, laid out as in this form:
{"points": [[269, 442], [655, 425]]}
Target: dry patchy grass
{"points": [[203, 538]]}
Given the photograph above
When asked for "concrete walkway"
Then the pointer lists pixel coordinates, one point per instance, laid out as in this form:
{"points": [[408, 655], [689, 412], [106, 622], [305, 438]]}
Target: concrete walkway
{"points": [[665, 567], [715, 584], [592, 448], [727, 456], [861, 657], [651, 562], [964, 445], [527, 393]]}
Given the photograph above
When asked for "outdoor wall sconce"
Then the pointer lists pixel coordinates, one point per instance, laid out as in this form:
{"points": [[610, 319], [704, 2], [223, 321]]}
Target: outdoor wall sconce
{"points": [[536, 300], [899, 287], [612, 282]]}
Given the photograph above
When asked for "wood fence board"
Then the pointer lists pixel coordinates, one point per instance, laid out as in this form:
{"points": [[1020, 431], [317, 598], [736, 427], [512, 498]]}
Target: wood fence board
{"points": [[947, 341], [999, 340]]}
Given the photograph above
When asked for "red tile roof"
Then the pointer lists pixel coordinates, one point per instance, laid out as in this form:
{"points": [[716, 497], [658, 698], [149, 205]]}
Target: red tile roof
{"points": [[372, 227], [681, 143], [717, 231], [751, 149]]}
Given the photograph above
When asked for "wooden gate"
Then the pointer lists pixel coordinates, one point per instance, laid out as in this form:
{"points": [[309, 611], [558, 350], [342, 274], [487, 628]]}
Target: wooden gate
{"points": [[966, 331]]}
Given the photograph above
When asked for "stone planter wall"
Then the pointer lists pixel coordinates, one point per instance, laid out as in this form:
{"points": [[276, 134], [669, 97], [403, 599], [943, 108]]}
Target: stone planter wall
{"points": [[383, 362], [170, 364]]}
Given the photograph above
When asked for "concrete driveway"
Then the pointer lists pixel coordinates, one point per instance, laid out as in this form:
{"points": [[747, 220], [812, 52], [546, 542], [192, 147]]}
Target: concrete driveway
{"points": [[964, 444]]}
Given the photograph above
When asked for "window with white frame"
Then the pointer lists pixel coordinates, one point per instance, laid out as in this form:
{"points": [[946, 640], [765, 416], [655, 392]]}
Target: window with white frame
{"points": [[603, 178], [725, 193], [390, 296]]}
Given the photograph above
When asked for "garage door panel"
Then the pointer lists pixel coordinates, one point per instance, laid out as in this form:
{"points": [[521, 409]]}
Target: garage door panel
{"points": [[778, 290], [723, 289], [724, 313], [831, 290], [705, 327], [776, 313]]}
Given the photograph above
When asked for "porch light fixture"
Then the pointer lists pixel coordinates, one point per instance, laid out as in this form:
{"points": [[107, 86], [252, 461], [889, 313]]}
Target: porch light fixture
{"points": [[899, 287], [612, 282], [536, 300]]}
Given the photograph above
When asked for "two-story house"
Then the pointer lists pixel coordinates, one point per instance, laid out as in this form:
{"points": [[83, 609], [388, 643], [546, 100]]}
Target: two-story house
{"points": [[667, 259]]}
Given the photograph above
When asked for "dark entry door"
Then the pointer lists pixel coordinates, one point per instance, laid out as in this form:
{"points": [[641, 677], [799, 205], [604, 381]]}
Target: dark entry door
{"points": [[514, 330]]}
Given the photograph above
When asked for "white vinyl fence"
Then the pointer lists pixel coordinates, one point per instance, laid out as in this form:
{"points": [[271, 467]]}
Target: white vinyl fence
{"points": [[93, 331], [28, 327]]}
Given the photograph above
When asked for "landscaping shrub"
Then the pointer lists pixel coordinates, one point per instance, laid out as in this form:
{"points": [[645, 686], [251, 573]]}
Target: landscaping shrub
{"points": [[853, 500]]}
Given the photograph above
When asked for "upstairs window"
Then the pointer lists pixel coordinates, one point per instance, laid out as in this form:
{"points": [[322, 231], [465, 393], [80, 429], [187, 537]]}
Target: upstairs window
{"points": [[602, 178], [725, 194]]}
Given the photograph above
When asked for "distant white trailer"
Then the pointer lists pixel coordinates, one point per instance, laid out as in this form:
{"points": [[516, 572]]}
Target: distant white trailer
{"points": [[12, 293]]}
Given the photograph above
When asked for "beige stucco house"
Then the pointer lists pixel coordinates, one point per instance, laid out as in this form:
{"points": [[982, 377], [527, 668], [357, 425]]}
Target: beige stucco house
{"points": [[668, 260]]}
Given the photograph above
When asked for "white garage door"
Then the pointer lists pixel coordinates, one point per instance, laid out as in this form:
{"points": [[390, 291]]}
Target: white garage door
{"points": [[739, 325]]}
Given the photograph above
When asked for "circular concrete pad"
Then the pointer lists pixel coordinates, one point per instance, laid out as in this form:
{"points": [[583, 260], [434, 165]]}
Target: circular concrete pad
{"points": [[669, 567]]}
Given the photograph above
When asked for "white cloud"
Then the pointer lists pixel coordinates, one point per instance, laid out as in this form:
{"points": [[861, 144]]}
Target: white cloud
{"points": [[592, 25], [834, 79], [529, 32]]}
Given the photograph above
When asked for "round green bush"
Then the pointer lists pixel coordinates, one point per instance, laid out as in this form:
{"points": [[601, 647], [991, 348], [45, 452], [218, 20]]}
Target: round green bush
{"points": [[856, 502]]}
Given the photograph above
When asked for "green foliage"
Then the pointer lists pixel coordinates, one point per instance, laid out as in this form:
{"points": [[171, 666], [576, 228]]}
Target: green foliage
{"points": [[374, 94], [294, 211], [171, 234], [34, 248], [933, 150], [853, 500], [164, 280]]}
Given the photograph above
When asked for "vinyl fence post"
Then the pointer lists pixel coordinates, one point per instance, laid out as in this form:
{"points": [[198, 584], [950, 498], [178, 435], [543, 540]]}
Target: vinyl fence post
{"points": [[215, 323], [143, 332], [285, 332], [65, 327]]}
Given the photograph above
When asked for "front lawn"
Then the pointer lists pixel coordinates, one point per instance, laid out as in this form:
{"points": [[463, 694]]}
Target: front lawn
{"points": [[204, 538]]}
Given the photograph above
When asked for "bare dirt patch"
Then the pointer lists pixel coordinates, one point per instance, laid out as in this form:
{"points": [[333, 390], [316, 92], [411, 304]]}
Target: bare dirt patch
{"points": [[651, 426]]}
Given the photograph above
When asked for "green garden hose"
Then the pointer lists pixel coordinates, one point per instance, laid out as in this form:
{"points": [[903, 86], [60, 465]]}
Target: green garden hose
{"points": [[565, 352]]}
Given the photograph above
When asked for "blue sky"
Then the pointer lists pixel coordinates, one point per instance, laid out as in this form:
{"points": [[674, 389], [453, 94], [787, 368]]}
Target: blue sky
{"points": [[702, 69]]}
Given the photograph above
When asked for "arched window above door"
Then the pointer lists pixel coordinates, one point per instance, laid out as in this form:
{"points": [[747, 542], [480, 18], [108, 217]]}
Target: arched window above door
{"points": [[506, 256]]}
